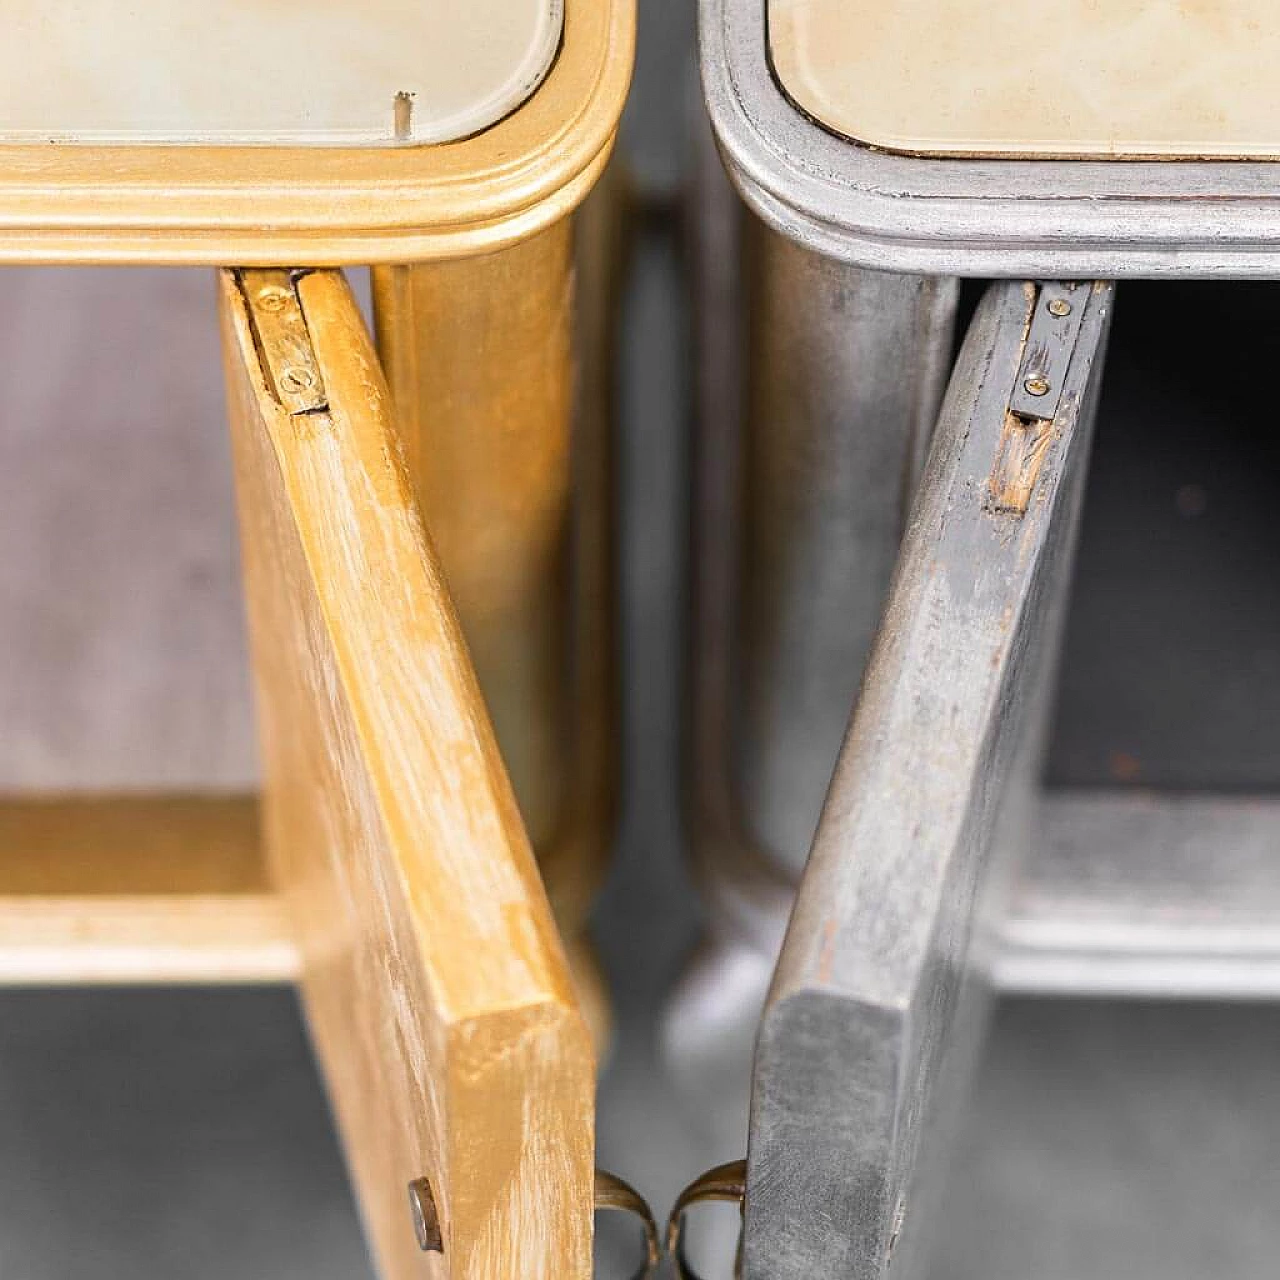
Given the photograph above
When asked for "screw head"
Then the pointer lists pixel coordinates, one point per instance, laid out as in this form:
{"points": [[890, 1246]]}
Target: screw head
{"points": [[1059, 307], [273, 298], [1036, 384], [426, 1220], [297, 379]]}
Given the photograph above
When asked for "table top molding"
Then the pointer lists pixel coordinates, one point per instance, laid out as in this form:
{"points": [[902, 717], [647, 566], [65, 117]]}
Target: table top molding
{"points": [[264, 205], [949, 215]]}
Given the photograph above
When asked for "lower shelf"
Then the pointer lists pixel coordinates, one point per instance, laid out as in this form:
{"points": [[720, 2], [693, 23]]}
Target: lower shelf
{"points": [[1125, 895], [1148, 895], [137, 890]]}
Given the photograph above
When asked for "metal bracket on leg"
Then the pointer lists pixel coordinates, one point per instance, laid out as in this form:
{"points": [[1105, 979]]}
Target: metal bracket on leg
{"points": [[612, 1194], [726, 1182]]}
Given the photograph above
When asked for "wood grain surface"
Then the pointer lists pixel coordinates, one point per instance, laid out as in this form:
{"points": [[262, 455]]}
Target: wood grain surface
{"points": [[877, 1007], [478, 355], [139, 889], [501, 373], [434, 980]]}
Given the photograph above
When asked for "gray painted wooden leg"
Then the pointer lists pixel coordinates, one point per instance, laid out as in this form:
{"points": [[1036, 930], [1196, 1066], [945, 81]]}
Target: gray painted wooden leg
{"points": [[876, 1006], [819, 383], [845, 372]]}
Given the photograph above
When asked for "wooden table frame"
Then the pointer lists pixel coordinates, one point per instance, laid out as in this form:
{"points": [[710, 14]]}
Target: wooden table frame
{"points": [[331, 206], [399, 887], [1117, 895]]}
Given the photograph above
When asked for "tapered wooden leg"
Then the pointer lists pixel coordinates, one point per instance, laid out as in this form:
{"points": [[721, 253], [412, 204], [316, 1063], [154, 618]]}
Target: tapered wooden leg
{"points": [[434, 979], [845, 370], [817, 387], [478, 354], [500, 369]]}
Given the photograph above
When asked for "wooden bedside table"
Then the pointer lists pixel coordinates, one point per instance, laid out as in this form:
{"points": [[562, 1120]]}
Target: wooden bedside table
{"points": [[447, 148], [872, 669]]}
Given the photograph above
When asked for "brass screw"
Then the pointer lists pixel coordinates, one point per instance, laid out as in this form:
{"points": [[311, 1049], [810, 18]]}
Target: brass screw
{"points": [[1059, 307], [273, 298], [426, 1219], [1037, 385], [295, 379]]}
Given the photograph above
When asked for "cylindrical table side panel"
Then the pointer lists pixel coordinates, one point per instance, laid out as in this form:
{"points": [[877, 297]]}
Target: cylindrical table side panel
{"points": [[573, 858], [501, 367], [478, 353]]}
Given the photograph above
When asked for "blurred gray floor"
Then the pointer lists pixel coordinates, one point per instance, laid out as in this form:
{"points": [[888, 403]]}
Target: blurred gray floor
{"points": [[184, 1133]]}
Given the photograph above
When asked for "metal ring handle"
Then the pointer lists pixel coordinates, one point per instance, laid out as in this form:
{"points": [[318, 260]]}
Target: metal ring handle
{"points": [[614, 1194], [725, 1182]]}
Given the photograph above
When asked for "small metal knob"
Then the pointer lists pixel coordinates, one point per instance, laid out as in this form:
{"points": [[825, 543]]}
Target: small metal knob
{"points": [[426, 1220]]}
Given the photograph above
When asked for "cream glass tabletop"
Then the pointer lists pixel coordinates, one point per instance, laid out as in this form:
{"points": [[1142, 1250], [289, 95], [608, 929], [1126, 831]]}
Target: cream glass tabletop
{"points": [[291, 72], [1110, 78]]}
